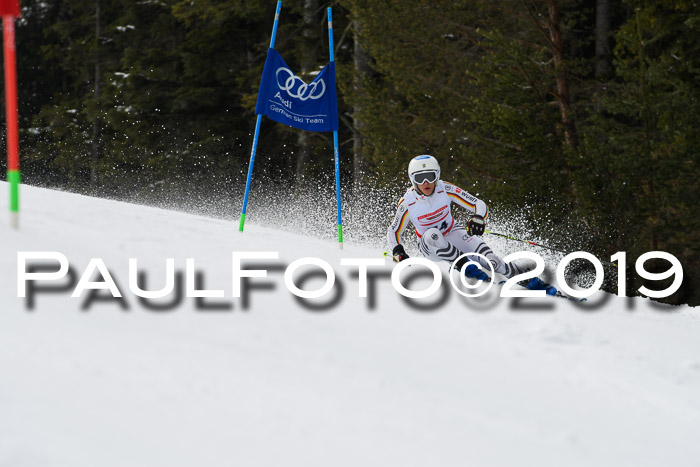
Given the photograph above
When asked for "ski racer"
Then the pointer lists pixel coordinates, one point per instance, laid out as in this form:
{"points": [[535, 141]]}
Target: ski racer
{"points": [[427, 205]]}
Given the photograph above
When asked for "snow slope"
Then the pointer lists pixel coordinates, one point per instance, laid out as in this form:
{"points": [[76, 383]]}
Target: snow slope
{"points": [[491, 382]]}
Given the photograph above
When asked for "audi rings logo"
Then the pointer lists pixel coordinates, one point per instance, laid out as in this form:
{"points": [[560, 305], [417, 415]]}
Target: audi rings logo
{"points": [[297, 88]]}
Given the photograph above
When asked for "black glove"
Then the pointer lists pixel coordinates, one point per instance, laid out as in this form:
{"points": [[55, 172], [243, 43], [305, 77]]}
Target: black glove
{"points": [[399, 253], [476, 225]]}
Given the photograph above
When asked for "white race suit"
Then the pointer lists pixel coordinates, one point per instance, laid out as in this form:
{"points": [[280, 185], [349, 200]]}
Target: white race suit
{"points": [[440, 237]]}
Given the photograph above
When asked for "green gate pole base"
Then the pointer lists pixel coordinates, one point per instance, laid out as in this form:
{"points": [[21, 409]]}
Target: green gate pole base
{"points": [[15, 179]]}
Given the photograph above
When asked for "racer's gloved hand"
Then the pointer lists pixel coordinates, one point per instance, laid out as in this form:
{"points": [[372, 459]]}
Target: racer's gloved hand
{"points": [[476, 225], [399, 253]]}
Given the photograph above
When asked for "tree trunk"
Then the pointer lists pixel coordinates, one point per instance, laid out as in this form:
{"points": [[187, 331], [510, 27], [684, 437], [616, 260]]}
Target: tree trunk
{"points": [[303, 155], [602, 39], [309, 58], [98, 94], [563, 97], [562, 77], [362, 69]]}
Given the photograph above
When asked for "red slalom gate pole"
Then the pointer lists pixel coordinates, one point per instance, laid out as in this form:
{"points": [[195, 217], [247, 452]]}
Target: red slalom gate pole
{"points": [[9, 10]]}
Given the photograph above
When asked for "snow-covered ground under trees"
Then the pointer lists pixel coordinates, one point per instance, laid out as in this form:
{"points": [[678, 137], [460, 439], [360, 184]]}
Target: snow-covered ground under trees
{"points": [[373, 381]]}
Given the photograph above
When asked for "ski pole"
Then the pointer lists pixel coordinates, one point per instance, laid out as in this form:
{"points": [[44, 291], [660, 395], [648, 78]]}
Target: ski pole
{"points": [[524, 241], [536, 244]]}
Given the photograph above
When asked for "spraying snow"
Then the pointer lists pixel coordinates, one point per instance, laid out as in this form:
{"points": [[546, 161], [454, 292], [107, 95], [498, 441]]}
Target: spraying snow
{"points": [[89, 381]]}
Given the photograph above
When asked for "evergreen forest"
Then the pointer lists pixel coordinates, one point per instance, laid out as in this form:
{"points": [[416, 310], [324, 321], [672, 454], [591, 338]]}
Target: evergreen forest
{"points": [[582, 116]]}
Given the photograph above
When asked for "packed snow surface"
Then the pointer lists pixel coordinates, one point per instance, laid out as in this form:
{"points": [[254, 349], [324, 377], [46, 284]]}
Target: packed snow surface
{"points": [[484, 382]]}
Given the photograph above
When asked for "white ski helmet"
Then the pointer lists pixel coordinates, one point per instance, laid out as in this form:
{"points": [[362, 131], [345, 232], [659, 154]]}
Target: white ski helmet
{"points": [[422, 168]]}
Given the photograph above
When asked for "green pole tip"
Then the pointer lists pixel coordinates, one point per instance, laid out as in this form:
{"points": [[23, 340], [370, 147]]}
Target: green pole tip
{"points": [[14, 177]]}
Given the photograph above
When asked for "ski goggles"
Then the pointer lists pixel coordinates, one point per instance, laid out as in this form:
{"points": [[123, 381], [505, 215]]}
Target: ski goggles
{"points": [[429, 176]]}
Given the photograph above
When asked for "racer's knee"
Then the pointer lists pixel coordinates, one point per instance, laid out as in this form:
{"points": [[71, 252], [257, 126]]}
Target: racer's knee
{"points": [[433, 238]]}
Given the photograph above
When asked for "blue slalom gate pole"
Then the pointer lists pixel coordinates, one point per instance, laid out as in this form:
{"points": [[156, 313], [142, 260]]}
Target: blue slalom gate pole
{"points": [[257, 128], [335, 141]]}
